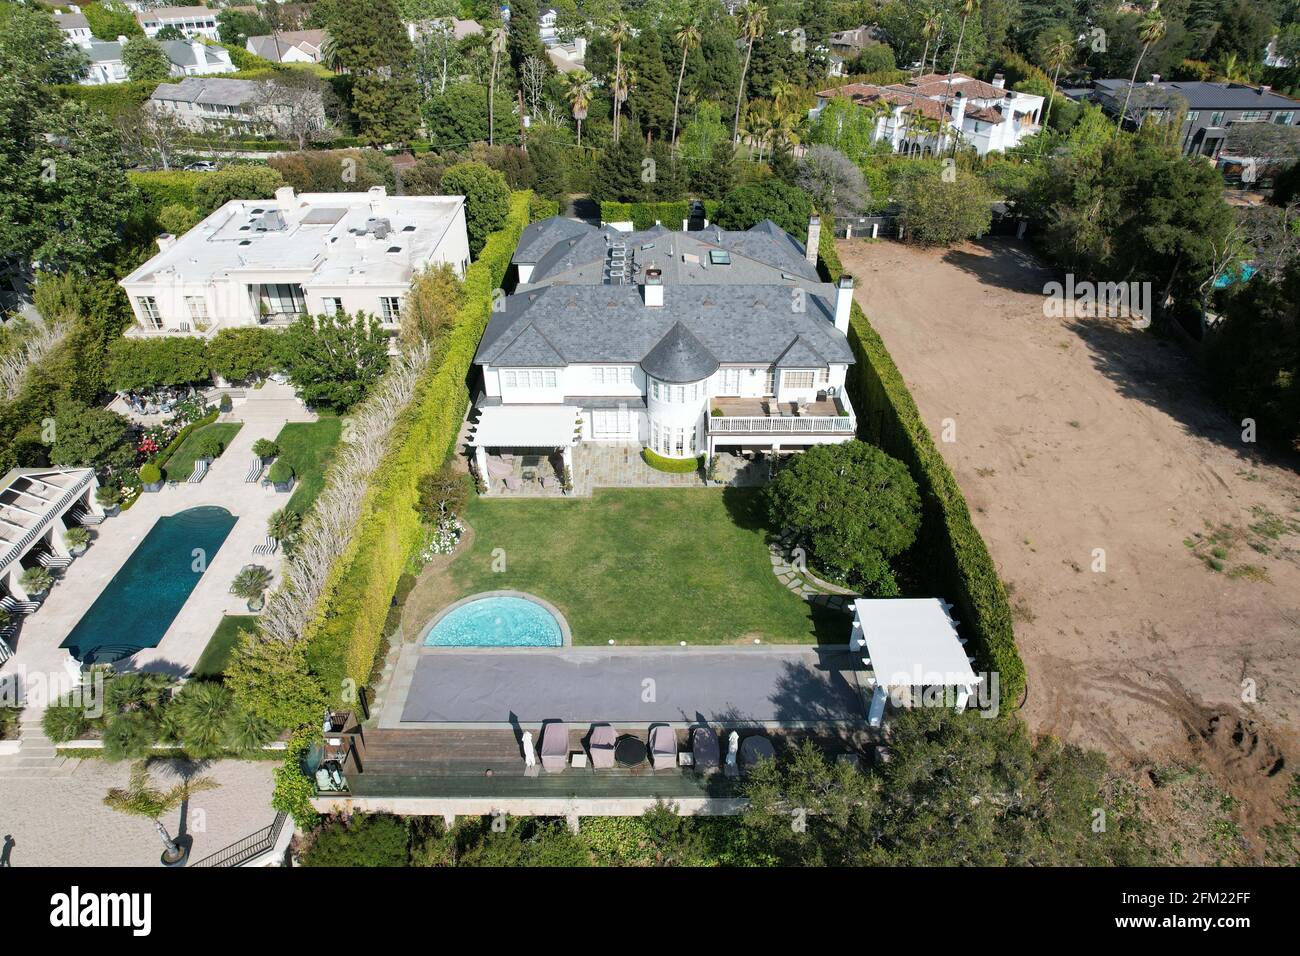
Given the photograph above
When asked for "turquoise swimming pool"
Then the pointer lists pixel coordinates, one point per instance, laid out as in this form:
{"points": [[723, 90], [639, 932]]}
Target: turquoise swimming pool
{"points": [[496, 621], [150, 589]]}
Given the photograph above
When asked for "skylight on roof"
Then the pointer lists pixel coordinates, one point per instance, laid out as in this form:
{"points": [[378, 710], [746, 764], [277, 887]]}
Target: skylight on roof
{"points": [[394, 248], [720, 257], [408, 229]]}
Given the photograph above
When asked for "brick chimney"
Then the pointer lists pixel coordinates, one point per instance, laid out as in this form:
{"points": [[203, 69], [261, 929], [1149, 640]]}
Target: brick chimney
{"points": [[814, 239]]}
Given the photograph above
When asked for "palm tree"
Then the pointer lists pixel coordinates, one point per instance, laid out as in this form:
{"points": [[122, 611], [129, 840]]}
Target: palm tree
{"points": [[688, 35], [931, 27], [967, 8], [250, 584], [141, 799], [754, 21], [283, 524], [498, 47], [759, 122], [1057, 51], [624, 79], [618, 33], [1150, 32], [578, 90]]}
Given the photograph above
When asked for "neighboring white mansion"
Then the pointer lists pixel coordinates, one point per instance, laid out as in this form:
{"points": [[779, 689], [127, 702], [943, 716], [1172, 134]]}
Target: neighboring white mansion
{"points": [[265, 262], [239, 106], [922, 115], [187, 58], [191, 21], [683, 342]]}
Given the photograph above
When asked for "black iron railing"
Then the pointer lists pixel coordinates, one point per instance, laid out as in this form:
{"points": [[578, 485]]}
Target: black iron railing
{"points": [[251, 846]]}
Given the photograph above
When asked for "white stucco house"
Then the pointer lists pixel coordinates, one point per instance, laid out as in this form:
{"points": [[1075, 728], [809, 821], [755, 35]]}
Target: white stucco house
{"points": [[290, 46], [240, 106], [924, 115], [187, 58], [75, 27], [681, 342], [265, 262], [191, 21]]}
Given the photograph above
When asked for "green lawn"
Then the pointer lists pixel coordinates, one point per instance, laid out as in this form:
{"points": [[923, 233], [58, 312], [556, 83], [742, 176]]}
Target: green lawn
{"points": [[212, 663], [643, 566], [307, 447], [181, 464]]}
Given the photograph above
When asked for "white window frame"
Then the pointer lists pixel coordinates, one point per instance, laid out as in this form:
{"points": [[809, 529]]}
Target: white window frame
{"points": [[390, 306], [149, 308], [197, 306], [797, 378]]}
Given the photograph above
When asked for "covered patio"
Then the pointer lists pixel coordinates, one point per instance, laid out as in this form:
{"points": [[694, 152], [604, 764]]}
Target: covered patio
{"points": [[912, 649], [525, 450]]}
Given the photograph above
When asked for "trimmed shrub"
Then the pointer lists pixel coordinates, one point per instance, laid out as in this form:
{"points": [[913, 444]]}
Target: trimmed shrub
{"points": [[150, 473], [281, 472], [265, 448], [643, 215], [172, 188], [341, 644], [673, 466], [363, 840]]}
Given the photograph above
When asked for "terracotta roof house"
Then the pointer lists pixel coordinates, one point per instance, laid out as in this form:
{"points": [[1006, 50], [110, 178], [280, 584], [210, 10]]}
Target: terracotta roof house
{"points": [[924, 115]]}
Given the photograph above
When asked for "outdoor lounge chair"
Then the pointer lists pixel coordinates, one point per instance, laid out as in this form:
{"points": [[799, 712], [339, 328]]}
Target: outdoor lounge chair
{"points": [[200, 470], [601, 746], [254, 470], [555, 746], [704, 747], [269, 546], [663, 747]]}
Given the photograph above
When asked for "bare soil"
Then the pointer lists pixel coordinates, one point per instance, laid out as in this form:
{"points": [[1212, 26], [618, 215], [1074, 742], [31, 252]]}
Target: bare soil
{"points": [[1073, 435]]}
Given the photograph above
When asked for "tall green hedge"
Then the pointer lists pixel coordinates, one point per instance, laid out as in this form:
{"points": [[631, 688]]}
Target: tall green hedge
{"points": [[341, 644], [161, 189], [962, 566], [112, 99], [643, 215]]}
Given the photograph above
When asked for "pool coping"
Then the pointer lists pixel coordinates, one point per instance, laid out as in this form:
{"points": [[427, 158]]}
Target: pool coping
{"points": [[566, 635]]}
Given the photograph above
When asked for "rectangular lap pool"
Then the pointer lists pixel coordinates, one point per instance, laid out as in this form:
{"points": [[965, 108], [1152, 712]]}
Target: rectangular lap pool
{"points": [[150, 589]]}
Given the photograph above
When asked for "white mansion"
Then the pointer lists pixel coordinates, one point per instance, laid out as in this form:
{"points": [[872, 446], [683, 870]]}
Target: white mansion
{"points": [[265, 262], [925, 114], [683, 342]]}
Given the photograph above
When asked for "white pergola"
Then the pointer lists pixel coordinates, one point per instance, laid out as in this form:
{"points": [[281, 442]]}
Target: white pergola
{"points": [[526, 426], [910, 642], [33, 502]]}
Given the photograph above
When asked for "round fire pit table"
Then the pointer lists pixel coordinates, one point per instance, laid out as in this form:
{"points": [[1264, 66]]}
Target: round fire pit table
{"points": [[630, 751]]}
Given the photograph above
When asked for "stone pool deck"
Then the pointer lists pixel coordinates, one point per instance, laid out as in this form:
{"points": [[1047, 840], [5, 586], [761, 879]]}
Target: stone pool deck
{"points": [[39, 661], [738, 686]]}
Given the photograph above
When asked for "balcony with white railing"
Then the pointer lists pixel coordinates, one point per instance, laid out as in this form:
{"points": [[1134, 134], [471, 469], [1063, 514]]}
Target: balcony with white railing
{"points": [[832, 415]]}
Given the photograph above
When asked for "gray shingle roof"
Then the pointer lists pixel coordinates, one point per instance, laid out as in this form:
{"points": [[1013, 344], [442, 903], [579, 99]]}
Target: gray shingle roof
{"points": [[216, 92], [744, 325], [1201, 95], [679, 357], [530, 347], [801, 354]]}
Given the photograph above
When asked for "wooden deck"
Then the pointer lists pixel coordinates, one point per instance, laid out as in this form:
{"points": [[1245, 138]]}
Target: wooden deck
{"points": [[481, 763], [771, 408]]}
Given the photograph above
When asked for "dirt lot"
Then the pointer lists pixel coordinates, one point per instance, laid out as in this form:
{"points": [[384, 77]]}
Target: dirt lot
{"points": [[1074, 435]]}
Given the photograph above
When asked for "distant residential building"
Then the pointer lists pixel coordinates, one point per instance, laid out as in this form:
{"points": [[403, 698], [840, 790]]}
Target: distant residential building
{"points": [[297, 46], [241, 106], [187, 58], [924, 115], [191, 21], [75, 27], [547, 26], [460, 29], [265, 262], [1211, 108]]}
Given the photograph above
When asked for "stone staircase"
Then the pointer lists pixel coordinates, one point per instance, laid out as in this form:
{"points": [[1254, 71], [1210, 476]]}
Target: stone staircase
{"points": [[38, 759]]}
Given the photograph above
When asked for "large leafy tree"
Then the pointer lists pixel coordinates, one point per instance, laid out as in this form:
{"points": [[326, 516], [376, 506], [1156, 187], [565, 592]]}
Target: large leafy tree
{"points": [[939, 209], [237, 181], [852, 506], [147, 363], [32, 42], [787, 206], [368, 40], [487, 199], [653, 105], [93, 437], [144, 59], [334, 360]]}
